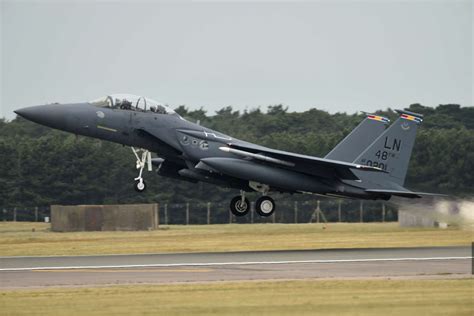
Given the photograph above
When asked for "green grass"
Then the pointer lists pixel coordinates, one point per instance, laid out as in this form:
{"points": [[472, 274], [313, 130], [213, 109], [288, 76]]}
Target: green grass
{"points": [[19, 239], [349, 297]]}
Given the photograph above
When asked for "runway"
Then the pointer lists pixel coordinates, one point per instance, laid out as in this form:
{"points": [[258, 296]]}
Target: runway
{"points": [[21, 272]]}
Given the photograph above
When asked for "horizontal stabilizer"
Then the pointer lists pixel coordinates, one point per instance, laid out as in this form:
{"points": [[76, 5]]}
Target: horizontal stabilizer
{"points": [[405, 194]]}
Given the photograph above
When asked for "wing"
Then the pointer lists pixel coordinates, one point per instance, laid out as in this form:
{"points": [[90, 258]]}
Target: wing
{"points": [[321, 167]]}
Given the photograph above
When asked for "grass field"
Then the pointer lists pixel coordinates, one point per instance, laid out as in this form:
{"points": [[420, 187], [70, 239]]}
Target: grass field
{"points": [[353, 297], [19, 239]]}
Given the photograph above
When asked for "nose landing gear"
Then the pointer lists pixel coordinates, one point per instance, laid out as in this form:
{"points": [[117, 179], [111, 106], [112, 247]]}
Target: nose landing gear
{"points": [[140, 185], [144, 160]]}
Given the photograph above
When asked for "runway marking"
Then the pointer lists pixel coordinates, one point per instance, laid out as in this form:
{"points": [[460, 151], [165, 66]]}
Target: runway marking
{"points": [[126, 270], [204, 264]]}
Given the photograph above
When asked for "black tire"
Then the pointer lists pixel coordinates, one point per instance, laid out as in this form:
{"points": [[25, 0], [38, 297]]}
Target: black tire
{"points": [[237, 208], [140, 187], [265, 206]]}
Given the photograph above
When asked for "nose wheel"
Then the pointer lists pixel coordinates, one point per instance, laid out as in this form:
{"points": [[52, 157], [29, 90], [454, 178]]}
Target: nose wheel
{"points": [[143, 159], [140, 185]]}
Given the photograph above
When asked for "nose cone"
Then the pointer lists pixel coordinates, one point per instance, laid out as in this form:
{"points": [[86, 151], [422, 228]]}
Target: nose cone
{"points": [[32, 113], [67, 117], [51, 115]]}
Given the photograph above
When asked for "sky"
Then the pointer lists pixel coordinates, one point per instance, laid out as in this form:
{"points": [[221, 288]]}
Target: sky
{"points": [[339, 56]]}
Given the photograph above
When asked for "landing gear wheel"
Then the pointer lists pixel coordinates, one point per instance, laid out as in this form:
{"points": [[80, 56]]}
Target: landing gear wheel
{"points": [[265, 206], [238, 208], [140, 185]]}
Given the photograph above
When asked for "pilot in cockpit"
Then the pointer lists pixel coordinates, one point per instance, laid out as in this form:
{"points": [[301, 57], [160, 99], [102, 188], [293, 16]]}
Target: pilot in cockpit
{"points": [[160, 110], [153, 108], [126, 105]]}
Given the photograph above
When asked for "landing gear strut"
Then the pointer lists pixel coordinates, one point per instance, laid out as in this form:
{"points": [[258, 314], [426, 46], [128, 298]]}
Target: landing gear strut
{"points": [[240, 205], [145, 159]]}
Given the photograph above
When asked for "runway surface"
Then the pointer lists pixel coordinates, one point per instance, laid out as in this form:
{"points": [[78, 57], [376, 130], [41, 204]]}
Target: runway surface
{"points": [[21, 272]]}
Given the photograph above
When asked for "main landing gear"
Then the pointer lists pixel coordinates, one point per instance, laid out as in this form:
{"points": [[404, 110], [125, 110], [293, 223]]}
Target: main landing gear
{"points": [[265, 206], [240, 205], [143, 159]]}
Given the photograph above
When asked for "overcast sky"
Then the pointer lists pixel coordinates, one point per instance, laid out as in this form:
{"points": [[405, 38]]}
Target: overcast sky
{"points": [[334, 55]]}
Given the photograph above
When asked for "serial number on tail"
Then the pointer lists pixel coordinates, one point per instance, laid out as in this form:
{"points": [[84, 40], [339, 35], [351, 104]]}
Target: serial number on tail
{"points": [[377, 164]]}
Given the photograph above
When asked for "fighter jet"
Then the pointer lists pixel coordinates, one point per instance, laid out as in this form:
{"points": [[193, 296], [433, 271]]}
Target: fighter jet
{"points": [[370, 163]]}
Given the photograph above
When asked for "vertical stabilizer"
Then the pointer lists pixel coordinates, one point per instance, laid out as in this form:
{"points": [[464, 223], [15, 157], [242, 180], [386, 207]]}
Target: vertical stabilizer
{"points": [[392, 150], [358, 140]]}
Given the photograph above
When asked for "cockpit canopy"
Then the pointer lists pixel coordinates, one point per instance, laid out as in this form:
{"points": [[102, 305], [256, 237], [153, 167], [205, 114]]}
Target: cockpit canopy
{"points": [[133, 103]]}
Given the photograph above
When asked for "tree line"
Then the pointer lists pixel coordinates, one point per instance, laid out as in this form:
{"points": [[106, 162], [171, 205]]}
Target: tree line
{"points": [[41, 166]]}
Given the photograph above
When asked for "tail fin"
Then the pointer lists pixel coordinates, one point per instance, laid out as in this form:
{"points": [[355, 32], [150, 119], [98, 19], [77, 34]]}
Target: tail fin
{"points": [[391, 151], [358, 140]]}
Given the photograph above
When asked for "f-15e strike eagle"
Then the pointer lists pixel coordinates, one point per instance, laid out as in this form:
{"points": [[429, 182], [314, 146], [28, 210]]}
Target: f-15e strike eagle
{"points": [[370, 163]]}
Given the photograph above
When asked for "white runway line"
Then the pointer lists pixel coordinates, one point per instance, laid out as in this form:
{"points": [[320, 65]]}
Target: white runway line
{"points": [[162, 265]]}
